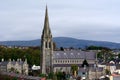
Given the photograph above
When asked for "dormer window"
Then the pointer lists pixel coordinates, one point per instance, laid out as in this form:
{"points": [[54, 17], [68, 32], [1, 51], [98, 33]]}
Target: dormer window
{"points": [[64, 53], [71, 53], [57, 54]]}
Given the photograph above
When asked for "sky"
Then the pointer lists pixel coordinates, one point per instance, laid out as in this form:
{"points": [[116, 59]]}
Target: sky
{"points": [[97, 20]]}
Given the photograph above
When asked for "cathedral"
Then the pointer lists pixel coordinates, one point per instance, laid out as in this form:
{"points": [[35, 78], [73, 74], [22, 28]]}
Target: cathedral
{"points": [[53, 61]]}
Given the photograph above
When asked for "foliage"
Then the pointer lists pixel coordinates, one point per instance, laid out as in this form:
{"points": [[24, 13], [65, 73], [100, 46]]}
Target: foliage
{"points": [[12, 69], [107, 72], [119, 55], [14, 78], [105, 55], [97, 48], [32, 54], [74, 68], [42, 75], [50, 75], [61, 48], [59, 75], [5, 77]]}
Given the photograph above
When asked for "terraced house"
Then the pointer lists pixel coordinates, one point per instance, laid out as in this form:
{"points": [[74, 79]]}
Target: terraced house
{"points": [[19, 66]]}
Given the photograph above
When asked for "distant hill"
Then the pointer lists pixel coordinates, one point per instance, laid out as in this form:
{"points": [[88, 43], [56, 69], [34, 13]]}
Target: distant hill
{"points": [[64, 42]]}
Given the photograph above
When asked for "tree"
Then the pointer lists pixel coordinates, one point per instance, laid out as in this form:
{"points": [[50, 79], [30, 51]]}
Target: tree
{"points": [[59, 75], [107, 72], [12, 69], [105, 55], [85, 63], [61, 48], [119, 55], [32, 54], [97, 48], [74, 68]]}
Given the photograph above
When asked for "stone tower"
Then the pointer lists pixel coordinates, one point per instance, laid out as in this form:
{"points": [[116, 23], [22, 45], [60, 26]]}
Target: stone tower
{"points": [[46, 47]]}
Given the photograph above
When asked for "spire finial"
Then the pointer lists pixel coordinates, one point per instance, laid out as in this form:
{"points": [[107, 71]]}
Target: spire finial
{"points": [[46, 6], [46, 11], [46, 30]]}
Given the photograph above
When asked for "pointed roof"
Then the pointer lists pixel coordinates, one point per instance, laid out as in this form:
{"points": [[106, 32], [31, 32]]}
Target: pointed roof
{"points": [[46, 29], [85, 63]]}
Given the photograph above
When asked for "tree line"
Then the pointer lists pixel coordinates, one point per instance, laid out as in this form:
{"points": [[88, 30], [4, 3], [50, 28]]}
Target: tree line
{"points": [[31, 54]]}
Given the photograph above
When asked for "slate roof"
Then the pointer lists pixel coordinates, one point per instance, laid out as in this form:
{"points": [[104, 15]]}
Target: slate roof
{"points": [[4, 63], [69, 65], [74, 54], [99, 69], [83, 70]]}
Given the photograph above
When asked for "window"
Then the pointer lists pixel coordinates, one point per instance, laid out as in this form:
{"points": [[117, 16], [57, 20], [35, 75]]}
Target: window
{"points": [[83, 73], [49, 44], [68, 61], [77, 61], [46, 45], [73, 61]]}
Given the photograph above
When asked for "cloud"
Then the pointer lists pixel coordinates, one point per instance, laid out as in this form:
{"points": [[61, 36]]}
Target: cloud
{"points": [[83, 19]]}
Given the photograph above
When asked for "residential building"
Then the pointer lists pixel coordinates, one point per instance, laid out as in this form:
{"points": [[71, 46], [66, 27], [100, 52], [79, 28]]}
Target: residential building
{"points": [[18, 66]]}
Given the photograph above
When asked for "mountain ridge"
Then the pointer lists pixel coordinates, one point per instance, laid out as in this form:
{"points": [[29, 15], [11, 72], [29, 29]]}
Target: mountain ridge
{"points": [[64, 42]]}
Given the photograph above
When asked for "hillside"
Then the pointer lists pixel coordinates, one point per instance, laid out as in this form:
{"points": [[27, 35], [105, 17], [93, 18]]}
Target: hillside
{"points": [[64, 42]]}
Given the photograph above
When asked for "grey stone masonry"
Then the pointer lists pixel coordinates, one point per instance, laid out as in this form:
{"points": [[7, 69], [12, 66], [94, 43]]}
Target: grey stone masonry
{"points": [[46, 47]]}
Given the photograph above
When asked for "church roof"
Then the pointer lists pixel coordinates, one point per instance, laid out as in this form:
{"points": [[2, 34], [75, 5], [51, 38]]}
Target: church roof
{"points": [[68, 65], [4, 63], [74, 54]]}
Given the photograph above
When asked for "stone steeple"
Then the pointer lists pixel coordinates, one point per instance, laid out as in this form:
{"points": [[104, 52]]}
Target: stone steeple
{"points": [[46, 47], [46, 31]]}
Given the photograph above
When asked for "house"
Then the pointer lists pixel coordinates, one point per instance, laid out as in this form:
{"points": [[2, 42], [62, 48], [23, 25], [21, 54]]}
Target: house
{"points": [[18, 66]]}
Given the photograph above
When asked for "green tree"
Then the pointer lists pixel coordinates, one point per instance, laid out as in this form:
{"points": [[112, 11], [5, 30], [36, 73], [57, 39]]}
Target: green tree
{"points": [[74, 68], [32, 54], [105, 55], [107, 72], [12, 69], [85, 63], [59, 75]]}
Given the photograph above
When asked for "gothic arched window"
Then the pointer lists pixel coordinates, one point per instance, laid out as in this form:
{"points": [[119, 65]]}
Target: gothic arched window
{"points": [[49, 44], [46, 45]]}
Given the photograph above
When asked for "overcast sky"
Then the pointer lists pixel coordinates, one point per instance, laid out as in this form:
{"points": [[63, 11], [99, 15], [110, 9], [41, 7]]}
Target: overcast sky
{"points": [[82, 19]]}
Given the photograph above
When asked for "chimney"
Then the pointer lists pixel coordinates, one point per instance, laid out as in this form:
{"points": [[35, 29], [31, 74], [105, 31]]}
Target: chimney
{"points": [[20, 60], [9, 60], [25, 60]]}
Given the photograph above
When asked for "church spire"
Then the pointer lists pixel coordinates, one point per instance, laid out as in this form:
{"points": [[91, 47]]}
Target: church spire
{"points": [[46, 30], [46, 46]]}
